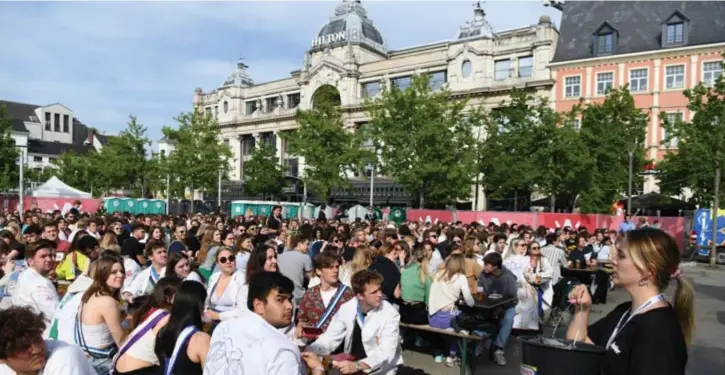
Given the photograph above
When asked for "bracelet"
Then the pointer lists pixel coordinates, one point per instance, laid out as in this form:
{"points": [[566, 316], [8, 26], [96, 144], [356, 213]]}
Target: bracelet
{"points": [[320, 370]]}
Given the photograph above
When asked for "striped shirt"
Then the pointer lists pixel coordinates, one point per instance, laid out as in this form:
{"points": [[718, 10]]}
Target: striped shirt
{"points": [[557, 258]]}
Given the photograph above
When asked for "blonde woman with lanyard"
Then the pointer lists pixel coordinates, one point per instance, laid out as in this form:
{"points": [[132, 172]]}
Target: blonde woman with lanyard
{"points": [[146, 280], [98, 328], [648, 335], [223, 288]]}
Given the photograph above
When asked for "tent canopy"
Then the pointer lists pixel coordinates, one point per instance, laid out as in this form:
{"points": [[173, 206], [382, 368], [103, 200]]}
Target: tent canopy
{"points": [[54, 187]]}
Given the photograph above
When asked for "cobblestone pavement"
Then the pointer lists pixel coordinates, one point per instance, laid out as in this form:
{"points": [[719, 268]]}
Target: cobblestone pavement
{"points": [[706, 357]]}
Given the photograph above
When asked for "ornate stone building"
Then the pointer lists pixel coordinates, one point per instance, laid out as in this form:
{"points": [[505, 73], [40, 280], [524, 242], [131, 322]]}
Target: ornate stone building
{"points": [[350, 55]]}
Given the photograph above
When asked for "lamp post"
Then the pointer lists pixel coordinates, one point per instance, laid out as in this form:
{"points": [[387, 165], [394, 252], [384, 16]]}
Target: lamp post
{"points": [[371, 168], [21, 188], [631, 165], [219, 191]]}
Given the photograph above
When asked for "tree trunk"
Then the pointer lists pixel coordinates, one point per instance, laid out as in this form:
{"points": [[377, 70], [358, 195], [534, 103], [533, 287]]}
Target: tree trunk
{"points": [[191, 208], [553, 202], [422, 200], [516, 200], [715, 207]]}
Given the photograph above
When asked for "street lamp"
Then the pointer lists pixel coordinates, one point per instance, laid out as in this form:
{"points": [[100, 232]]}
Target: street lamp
{"points": [[631, 165], [371, 167], [21, 188]]}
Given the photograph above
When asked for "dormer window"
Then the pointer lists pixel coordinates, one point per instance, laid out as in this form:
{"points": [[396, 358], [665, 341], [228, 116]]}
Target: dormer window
{"points": [[674, 30], [604, 40]]}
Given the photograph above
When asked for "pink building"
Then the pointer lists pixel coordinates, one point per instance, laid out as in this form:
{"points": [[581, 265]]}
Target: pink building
{"points": [[658, 48]]}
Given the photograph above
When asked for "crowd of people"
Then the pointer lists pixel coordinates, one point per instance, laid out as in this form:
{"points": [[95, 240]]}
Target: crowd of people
{"points": [[93, 293]]}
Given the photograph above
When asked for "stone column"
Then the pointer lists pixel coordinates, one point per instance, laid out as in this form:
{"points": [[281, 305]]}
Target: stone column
{"points": [[240, 153]]}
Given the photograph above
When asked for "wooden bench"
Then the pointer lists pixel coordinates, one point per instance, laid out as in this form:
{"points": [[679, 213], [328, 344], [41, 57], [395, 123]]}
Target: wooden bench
{"points": [[463, 340]]}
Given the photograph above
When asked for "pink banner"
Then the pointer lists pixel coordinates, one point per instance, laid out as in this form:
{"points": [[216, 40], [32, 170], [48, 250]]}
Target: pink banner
{"points": [[559, 220], [430, 215], [49, 204], [499, 218]]}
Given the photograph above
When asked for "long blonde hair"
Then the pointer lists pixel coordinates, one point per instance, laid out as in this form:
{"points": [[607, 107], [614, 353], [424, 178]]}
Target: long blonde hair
{"points": [[362, 259], [419, 256], [452, 266], [469, 247], [656, 252]]}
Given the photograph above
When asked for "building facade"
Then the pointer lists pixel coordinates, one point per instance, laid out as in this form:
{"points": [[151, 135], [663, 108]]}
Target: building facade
{"points": [[658, 48], [350, 55], [44, 132]]}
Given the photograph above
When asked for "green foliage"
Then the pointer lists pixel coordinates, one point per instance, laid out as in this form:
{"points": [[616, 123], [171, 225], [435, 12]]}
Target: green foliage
{"points": [[78, 171], [701, 147], [424, 141], [328, 148], [263, 175], [9, 154], [198, 155], [610, 130]]}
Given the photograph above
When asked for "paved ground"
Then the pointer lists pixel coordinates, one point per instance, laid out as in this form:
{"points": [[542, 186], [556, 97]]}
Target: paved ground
{"points": [[707, 355]]}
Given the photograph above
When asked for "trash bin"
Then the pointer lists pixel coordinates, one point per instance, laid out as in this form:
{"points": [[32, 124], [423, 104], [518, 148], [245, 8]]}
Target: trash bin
{"points": [[552, 356]]}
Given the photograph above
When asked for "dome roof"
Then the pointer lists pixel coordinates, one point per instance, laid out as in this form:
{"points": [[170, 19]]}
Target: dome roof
{"points": [[350, 24], [478, 27], [239, 77]]}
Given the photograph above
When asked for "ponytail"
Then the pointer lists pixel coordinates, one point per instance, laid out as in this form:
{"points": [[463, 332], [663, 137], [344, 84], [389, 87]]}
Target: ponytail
{"points": [[685, 308], [423, 271]]}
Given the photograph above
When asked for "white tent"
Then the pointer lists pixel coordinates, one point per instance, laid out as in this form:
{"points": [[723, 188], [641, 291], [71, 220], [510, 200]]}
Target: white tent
{"points": [[57, 188]]}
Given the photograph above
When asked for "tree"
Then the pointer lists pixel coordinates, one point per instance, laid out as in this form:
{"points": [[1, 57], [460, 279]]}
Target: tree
{"points": [[129, 156], [78, 171], [425, 141], [198, 156], [329, 150], [700, 157], [9, 154], [263, 174], [610, 130]]}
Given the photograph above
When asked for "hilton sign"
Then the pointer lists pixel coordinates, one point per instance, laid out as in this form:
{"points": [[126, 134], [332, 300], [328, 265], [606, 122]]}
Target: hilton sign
{"points": [[329, 39]]}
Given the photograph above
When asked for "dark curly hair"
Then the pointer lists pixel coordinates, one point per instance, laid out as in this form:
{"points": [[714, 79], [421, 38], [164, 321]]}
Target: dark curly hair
{"points": [[20, 328]]}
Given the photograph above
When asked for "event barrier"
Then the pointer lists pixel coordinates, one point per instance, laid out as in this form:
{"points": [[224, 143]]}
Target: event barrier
{"points": [[675, 226], [10, 203]]}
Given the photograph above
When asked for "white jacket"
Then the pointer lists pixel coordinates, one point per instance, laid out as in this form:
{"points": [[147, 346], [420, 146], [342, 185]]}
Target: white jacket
{"points": [[36, 291], [141, 282], [380, 336], [236, 284], [132, 270]]}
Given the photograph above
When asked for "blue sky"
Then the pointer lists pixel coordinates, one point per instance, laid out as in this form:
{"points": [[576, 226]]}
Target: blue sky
{"points": [[106, 60]]}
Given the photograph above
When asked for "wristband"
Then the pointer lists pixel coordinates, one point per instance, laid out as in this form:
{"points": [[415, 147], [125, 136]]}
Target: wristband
{"points": [[319, 370]]}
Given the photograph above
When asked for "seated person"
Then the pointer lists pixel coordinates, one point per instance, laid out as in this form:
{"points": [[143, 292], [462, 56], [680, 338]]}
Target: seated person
{"points": [[496, 279], [23, 350], [84, 251], [321, 302], [367, 316]]}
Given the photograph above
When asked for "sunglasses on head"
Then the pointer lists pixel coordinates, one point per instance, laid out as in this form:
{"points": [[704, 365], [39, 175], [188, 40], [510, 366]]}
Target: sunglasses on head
{"points": [[225, 260]]}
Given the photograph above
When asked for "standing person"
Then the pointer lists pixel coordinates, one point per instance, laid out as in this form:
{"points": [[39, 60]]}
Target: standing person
{"points": [[182, 345], [368, 326], [274, 221], [98, 328], [415, 286], [297, 265], [647, 335], [626, 225], [556, 256], [33, 288], [23, 350]]}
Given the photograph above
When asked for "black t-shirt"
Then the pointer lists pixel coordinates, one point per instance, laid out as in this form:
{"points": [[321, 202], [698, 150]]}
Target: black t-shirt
{"points": [[391, 276], [274, 223], [652, 343], [357, 348]]}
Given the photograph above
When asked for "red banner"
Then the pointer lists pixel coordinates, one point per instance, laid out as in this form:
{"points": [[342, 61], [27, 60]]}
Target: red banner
{"points": [[49, 204], [486, 217], [575, 221]]}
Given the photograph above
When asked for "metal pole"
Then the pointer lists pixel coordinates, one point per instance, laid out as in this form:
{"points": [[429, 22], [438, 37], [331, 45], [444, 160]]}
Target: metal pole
{"points": [[168, 193], [219, 191], [629, 189], [715, 207], [372, 183], [21, 191], [304, 197]]}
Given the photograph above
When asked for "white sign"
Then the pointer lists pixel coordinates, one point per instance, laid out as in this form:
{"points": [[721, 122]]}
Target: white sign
{"points": [[329, 38]]}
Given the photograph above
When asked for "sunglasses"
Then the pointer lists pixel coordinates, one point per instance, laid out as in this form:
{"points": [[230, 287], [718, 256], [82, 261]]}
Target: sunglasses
{"points": [[181, 232], [535, 248], [225, 260]]}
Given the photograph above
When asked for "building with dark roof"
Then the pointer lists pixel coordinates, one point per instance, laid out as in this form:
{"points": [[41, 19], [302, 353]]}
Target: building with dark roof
{"points": [[46, 132], [658, 48], [349, 56]]}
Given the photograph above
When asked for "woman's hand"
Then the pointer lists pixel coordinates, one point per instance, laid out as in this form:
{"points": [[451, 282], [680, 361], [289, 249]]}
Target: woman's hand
{"points": [[8, 267], [312, 360], [580, 296]]}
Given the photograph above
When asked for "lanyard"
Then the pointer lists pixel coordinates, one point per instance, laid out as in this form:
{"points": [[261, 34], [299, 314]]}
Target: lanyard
{"points": [[640, 309]]}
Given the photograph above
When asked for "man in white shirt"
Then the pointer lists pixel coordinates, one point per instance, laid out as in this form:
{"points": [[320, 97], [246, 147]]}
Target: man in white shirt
{"points": [[33, 288], [23, 350], [251, 343], [369, 327]]}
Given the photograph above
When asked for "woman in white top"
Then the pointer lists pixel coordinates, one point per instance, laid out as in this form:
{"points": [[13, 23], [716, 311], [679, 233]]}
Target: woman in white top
{"points": [[518, 262], [223, 287], [448, 285], [178, 264], [136, 356], [539, 276], [98, 328]]}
